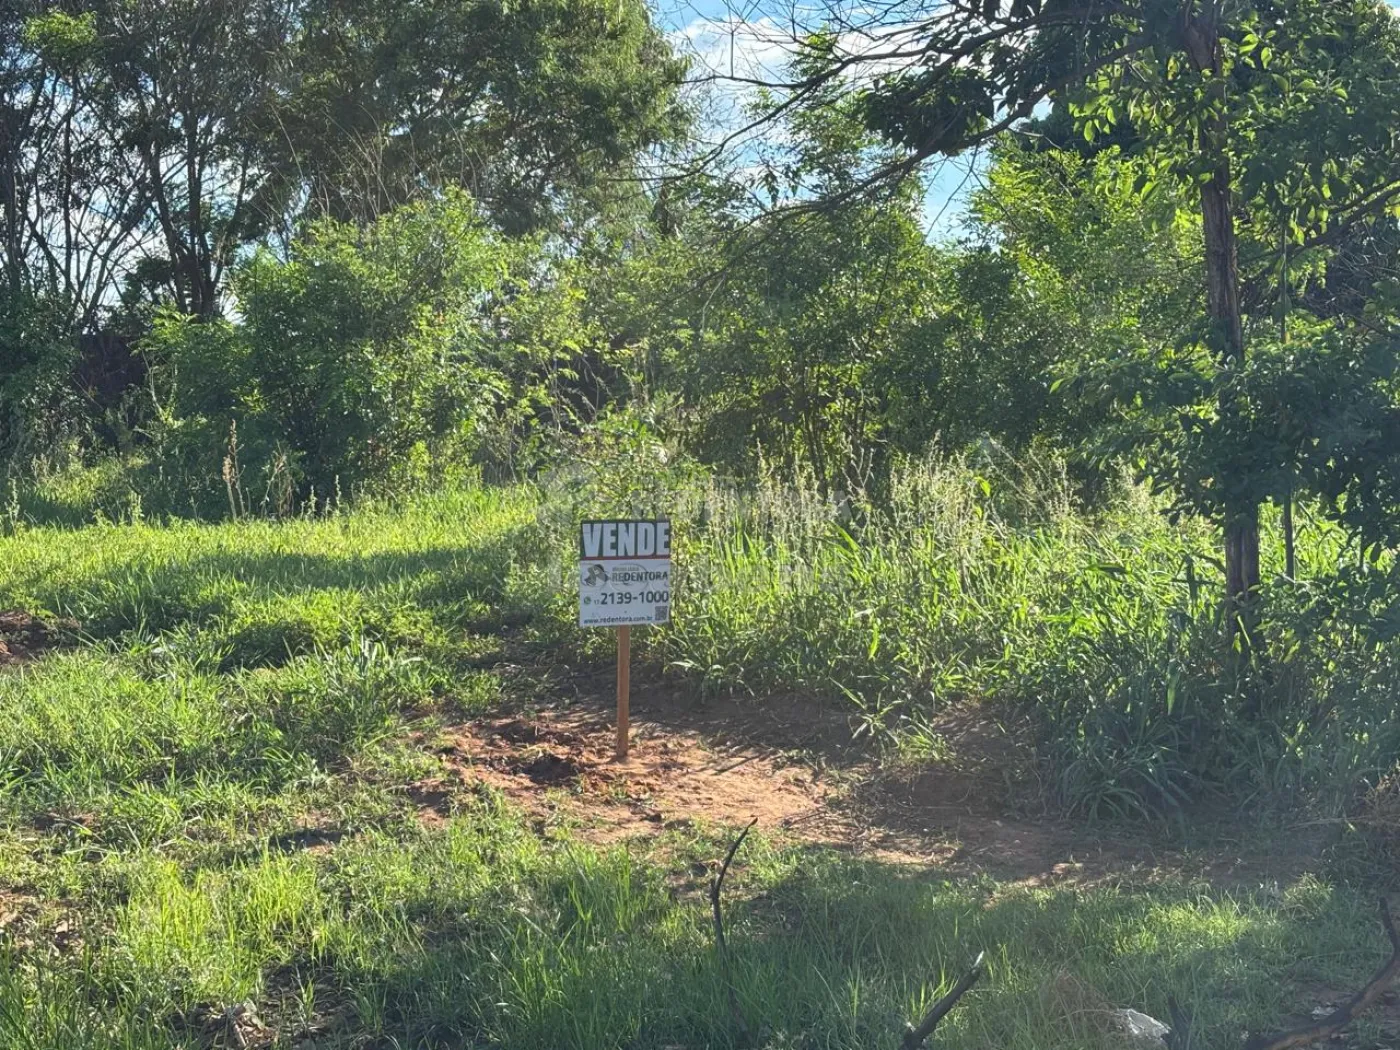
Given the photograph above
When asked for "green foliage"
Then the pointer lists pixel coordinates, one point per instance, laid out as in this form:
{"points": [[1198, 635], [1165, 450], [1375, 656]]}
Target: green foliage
{"points": [[534, 110], [367, 358], [151, 150], [1224, 106], [202, 130], [1309, 87], [183, 837], [324, 220], [61, 38], [788, 359], [986, 584], [39, 409], [958, 584], [824, 344]]}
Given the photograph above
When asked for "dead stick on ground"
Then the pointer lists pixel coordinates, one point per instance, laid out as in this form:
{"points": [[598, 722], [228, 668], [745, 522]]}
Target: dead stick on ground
{"points": [[1348, 1011], [915, 1037], [721, 945]]}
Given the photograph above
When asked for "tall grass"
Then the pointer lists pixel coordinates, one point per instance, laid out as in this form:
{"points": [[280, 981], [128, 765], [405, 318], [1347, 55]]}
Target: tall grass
{"points": [[961, 584], [954, 583], [203, 814]]}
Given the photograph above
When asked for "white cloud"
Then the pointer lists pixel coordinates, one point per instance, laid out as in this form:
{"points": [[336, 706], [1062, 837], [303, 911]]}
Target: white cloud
{"points": [[734, 48], [732, 56]]}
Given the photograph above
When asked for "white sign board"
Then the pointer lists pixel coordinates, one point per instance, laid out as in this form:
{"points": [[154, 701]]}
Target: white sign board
{"points": [[624, 573]]}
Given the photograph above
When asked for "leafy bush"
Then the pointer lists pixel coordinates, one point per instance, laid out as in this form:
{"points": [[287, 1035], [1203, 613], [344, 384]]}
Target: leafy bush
{"points": [[39, 412], [367, 359]]}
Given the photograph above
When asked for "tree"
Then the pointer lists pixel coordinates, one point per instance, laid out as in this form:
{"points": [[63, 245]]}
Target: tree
{"points": [[154, 142], [1065, 269], [532, 108], [189, 88], [71, 214], [363, 359], [1284, 102], [778, 340], [150, 147]]}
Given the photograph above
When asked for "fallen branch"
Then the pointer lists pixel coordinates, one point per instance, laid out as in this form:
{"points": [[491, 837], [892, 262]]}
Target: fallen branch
{"points": [[721, 945], [1348, 1011], [914, 1038]]}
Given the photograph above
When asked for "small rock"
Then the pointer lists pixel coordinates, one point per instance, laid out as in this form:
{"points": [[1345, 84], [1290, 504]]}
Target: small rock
{"points": [[1140, 1027]]}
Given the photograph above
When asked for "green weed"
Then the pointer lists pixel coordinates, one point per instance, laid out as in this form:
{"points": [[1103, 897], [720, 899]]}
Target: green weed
{"points": [[201, 804]]}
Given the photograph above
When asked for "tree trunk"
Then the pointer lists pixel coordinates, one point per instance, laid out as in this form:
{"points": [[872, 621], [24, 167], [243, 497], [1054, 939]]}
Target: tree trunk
{"points": [[1290, 547], [1241, 513], [9, 192], [1223, 288]]}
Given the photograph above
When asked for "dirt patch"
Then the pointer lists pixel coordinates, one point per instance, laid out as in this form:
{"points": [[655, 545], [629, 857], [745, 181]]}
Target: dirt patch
{"points": [[723, 765], [560, 765], [548, 769], [24, 637], [434, 799], [973, 806], [18, 912], [214, 1025], [29, 921], [791, 764]]}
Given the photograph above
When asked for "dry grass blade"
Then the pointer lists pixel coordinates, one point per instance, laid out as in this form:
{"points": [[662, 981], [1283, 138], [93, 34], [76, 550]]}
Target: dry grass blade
{"points": [[717, 909]]}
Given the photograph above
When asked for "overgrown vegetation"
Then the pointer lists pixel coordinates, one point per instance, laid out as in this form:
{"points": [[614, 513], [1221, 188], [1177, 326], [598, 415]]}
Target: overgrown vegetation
{"points": [[955, 584], [206, 830], [322, 325], [988, 583]]}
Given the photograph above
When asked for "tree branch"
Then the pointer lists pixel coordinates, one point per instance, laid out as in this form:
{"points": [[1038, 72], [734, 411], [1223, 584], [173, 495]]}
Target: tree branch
{"points": [[721, 945], [915, 1037], [902, 167], [1347, 1012]]}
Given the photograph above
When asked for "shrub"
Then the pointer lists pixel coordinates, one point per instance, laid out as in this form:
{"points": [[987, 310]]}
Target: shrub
{"points": [[365, 359], [39, 409]]}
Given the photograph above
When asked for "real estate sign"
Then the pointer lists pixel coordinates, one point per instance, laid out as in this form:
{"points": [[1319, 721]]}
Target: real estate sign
{"points": [[624, 573]]}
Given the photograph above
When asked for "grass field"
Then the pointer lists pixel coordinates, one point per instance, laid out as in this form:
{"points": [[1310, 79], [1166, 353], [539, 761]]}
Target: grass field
{"points": [[209, 837]]}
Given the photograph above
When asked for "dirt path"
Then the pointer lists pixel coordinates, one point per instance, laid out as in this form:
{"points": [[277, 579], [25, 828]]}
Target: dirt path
{"points": [[790, 764]]}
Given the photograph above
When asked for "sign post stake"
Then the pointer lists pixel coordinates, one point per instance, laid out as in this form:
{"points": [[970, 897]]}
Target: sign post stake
{"points": [[624, 685]]}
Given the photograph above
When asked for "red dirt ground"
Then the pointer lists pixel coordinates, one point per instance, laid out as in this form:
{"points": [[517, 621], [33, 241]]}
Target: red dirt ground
{"points": [[790, 764], [560, 763]]}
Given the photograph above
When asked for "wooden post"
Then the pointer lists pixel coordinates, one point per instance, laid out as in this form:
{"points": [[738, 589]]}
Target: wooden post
{"points": [[624, 684]]}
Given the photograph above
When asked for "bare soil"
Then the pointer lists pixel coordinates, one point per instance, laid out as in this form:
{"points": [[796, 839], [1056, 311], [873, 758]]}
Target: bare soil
{"points": [[561, 765], [790, 764], [23, 636]]}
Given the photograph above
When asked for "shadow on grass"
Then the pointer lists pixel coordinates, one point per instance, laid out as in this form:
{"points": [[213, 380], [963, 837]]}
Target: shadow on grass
{"points": [[458, 584], [839, 953], [477, 935]]}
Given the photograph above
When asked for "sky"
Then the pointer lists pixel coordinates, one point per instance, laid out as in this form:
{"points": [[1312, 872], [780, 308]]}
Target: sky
{"points": [[752, 38]]}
